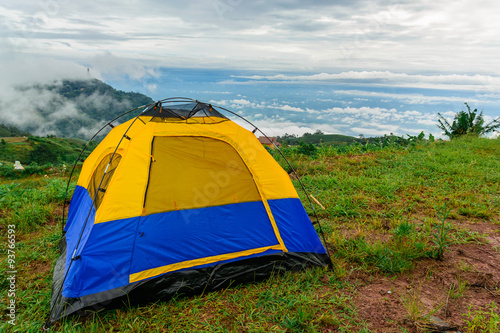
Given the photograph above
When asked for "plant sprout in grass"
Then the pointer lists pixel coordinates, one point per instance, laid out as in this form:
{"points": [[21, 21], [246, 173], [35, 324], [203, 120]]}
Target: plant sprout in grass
{"points": [[403, 229], [417, 313], [440, 237], [458, 290]]}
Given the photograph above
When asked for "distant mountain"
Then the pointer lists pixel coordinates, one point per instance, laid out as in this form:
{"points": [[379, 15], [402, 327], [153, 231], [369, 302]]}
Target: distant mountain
{"points": [[68, 108], [9, 131], [319, 138]]}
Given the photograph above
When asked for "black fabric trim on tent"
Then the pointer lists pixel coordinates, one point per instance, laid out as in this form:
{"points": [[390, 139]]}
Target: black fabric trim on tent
{"points": [[151, 161], [183, 111], [185, 283]]}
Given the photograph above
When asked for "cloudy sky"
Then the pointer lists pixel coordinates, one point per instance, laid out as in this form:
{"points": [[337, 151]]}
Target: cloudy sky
{"points": [[352, 67]]}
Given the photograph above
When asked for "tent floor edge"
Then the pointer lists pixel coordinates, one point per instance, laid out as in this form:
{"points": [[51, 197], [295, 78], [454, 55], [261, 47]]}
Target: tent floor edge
{"points": [[188, 282]]}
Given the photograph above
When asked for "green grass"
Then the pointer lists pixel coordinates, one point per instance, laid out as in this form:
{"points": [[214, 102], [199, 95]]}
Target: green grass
{"points": [[31, 204], [486, 320], [37, 160], [381, 212]]}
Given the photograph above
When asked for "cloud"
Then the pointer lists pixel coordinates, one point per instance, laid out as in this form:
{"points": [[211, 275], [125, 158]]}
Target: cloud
{"points": [[416, 98], [89, 131], [29, 97], [276, 35], [378, 58], [363, 112], [386, 78], [19, 70], [428, 122], [289, 108], [151, 87], [116, 67], [278, 127], [238, 104], [27, 108]]}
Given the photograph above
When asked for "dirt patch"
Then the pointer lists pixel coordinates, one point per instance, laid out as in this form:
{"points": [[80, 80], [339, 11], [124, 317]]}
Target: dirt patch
{"points": [[15, 139], [40, 268], [467, 277]]}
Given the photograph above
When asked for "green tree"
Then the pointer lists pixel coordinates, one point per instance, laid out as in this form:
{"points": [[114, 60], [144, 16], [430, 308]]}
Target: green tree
{"points": [[467, 122], [307, 149]]}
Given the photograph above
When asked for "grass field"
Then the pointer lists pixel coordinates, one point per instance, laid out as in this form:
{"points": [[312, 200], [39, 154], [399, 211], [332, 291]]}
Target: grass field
{"points": [[413, 231]]}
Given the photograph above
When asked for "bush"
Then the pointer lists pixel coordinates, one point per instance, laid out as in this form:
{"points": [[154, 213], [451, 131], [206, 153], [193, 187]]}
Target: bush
{"points": [[44, 153], [8, 172], [307, 149], [467, 123]]}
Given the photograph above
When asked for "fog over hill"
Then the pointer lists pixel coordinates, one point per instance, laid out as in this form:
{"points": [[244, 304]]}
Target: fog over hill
{"points": [[66, 108]]}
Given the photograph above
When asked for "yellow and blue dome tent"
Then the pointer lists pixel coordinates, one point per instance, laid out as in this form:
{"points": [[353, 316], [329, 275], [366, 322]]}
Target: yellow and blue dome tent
{"points": [[178, 200]]}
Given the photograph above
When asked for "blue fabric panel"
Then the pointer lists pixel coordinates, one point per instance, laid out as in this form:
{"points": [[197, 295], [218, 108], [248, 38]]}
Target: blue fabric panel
{"points": [[81, 205], [295, 227], [119, 248], [105, 261], [226, 261], [177, 236]]}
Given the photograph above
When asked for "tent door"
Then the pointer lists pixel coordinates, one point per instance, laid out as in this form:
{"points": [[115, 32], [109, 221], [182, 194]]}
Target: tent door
{"points": [[201, 205]]}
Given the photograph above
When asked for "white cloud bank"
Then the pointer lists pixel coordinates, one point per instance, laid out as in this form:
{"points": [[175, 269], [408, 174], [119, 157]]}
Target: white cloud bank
{"points": [[480, 83], [400, 36]]}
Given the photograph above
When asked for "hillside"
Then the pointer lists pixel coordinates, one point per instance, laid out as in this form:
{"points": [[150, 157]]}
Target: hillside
{"points": [[318, 138], [69, 108], [384, 209], [11, 131], [38, 154]]}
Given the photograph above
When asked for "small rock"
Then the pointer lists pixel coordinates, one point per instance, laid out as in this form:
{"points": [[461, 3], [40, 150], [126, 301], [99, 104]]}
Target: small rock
{"points": [[438, 324]]}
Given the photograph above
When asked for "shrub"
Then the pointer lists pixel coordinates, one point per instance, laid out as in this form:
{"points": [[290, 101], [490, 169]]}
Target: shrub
{"points": [[44, 153], [483, 320], [307, 149], [467, 123], [7, 171]]}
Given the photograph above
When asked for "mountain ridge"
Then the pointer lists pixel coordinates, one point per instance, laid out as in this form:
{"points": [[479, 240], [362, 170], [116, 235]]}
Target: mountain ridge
{"points": [[68, 108]]}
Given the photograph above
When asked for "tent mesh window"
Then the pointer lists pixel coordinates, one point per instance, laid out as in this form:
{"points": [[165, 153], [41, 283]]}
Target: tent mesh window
{"points": [[183, 112], [198, 172], [98, 179]]}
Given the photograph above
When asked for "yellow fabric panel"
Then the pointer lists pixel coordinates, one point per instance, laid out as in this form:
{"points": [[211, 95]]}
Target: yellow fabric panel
{"points": [[125, 194], [275, 181], [102, 176], [196, 262], [92, 162], [107, 145], [195, 172], [126, 198]]}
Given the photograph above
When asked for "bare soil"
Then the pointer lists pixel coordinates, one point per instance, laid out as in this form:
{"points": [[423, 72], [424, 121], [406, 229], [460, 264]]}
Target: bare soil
{"points": [[378, 298]]}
